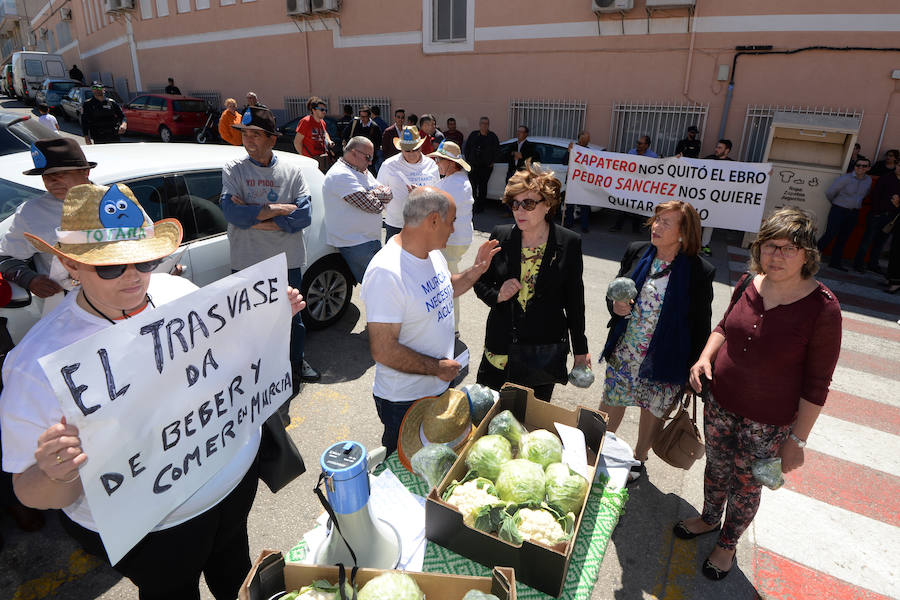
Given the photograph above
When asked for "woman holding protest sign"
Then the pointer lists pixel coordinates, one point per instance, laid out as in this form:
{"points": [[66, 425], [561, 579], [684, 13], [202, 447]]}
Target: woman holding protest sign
{"points": [[654, 339], [108, 244]]}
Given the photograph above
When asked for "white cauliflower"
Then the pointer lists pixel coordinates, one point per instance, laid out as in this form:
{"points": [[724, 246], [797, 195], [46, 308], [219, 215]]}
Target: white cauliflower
{"points": [[540, 526], [468, 498]]}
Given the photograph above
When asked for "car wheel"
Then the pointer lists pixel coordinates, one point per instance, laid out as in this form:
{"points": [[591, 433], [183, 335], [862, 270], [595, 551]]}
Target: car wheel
{"points": [[165, 134], [201, 137], [327, 288]]}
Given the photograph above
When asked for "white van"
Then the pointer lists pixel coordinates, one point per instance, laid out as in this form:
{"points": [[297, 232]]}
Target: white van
{"points": [[30, 69]]}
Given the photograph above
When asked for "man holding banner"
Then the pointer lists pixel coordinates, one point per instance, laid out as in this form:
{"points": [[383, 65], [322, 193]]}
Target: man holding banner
{"points": [[82, 384]]}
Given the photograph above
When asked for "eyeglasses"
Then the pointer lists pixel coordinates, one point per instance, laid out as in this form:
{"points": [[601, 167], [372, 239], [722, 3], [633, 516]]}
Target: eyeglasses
{"points": [[116, 271], [528, 204], [368, 157], [788, 251]]}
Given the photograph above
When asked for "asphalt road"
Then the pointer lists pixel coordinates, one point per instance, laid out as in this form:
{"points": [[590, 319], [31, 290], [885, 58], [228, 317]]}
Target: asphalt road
{"points": [[47, 564]]}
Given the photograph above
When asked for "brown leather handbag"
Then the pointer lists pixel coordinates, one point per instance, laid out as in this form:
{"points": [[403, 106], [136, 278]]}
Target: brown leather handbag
{"points": [[680, 444]]}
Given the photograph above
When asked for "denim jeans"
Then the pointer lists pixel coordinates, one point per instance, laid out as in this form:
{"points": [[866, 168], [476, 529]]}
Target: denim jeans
{"points": [[584, 216], [841, 222], [873, 237], [358, 257]]}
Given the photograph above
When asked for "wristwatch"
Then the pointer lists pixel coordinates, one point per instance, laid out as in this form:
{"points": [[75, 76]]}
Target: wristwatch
{"points": [[800, 443]]}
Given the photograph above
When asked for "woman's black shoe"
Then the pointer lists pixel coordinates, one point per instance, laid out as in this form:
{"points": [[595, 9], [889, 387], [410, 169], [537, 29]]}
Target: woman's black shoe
{"points": [[684, 533], [710, 571]]}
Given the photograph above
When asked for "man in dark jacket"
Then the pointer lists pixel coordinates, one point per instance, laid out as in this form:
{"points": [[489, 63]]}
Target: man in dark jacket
{"points": [[523, 151], [481, 151], [689, 146], [102, 120]]}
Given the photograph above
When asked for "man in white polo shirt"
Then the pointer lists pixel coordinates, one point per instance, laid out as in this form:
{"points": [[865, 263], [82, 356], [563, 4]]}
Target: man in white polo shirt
{"points": [[354, 201], [408, 292]]}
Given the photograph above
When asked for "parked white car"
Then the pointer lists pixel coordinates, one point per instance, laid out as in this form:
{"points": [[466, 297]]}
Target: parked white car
{"points": [[185, 181], [552, 153]]}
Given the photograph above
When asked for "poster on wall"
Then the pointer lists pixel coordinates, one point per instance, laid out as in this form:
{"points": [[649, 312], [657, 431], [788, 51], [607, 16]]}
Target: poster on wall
{"points": [[165, 400], [726, 194]]}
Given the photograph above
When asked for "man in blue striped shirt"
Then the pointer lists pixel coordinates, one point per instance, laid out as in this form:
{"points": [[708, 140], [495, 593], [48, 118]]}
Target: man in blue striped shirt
{"points": [[846, 194]]}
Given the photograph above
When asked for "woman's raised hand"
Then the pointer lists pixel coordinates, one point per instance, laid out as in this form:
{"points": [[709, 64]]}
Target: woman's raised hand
{"points": [[509, 289]]}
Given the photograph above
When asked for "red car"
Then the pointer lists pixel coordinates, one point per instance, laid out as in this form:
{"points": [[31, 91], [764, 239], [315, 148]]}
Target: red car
{"points": [[165, 115]]}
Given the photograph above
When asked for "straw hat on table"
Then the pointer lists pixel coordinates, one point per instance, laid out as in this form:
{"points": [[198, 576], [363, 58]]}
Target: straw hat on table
{"points": [[443, 419]]}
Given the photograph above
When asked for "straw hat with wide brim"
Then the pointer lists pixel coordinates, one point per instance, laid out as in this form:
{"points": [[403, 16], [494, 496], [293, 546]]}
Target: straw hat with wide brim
{"points": [[440, 419], [107, 226], [409, 139], [450, 151]]}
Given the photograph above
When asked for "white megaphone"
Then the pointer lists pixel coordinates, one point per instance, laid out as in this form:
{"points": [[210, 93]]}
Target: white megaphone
{"points": [[374, 541]]}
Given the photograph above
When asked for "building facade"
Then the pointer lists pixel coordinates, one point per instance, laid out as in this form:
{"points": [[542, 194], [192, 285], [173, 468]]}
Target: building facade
{"points": [[619, 68]]}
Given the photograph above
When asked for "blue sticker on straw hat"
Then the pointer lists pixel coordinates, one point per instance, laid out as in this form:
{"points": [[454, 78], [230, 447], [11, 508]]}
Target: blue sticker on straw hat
{"points": [[40, 161], [117, 210], [245, 120], [407, 136]]}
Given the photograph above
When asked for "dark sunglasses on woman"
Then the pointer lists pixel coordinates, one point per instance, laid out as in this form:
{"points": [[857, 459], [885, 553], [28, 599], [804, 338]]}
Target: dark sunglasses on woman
{"points": [[115, 271], [527, 204]]}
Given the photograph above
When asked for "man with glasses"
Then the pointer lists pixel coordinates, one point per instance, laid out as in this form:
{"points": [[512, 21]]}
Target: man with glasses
{"points": [[846, 194], [481, 151], [387, 139], [403, 173], [312, 138], [102, 120], [524, 150], [363, 125], [354, 201]]}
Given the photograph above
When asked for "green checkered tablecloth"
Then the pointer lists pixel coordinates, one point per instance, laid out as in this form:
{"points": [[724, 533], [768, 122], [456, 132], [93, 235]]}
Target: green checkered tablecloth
{"points": [[601, 515]]}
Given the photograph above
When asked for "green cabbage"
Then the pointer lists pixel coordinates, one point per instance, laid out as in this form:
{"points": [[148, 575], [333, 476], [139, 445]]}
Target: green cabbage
{"points": [[476, 595], [432, 462], [566, 489], [391, 586], [487, 454], [505, 424], [521, 481], [541, 447], [320, 589]]}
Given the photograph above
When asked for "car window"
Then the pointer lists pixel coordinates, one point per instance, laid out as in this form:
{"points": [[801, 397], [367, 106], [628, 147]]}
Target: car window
{"points": [[151, 195], [139, 103], [14, 194], [62, 86], [27, 131], [56, 69], [34, 68], [551, 154], [156, 103], [503, 154], [198, 196], [189, 106]]}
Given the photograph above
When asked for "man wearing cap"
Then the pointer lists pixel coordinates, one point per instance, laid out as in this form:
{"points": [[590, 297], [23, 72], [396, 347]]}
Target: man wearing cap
{"points": [[354, 201], [403, 173], [62, 165], [689, 146], [408, 293], [267, 205], [102, 120]]}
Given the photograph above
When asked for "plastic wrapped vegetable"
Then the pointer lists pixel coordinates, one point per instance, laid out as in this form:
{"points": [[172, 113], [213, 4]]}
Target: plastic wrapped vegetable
{"points": [[391, 586], [566, 489], [767, 471], [320, 589], [581, 377], [541, 447], [433, 462], [470, 496], [487, 454], [521, 481], [508, 426], [478, 595], [481, 399], [621, 289]]}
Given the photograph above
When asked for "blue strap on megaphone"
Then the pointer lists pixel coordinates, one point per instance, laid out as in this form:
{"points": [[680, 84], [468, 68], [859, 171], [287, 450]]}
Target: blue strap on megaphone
{"points": [[341, 574]]}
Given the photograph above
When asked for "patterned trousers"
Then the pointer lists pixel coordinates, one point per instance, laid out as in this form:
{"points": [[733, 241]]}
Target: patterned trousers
{"points": [[732, 444]]}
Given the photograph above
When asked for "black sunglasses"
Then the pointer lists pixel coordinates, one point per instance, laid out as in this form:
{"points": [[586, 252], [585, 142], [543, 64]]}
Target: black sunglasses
{"points": [[527, 204], [115, 271]]}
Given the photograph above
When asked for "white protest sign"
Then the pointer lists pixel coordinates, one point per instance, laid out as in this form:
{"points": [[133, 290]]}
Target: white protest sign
{"points": [[165, 399], [726, 194]]}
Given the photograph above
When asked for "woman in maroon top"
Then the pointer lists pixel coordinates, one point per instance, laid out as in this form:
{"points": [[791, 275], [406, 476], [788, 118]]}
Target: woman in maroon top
{"points": [[774, 353]]}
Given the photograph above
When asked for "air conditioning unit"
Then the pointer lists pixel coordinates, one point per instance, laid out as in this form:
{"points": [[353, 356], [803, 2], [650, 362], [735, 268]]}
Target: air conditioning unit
{"points": [[113, 6], [654, 4], [324, 5], [297, 7], [43, 32], [608, 6], [65, 14]]}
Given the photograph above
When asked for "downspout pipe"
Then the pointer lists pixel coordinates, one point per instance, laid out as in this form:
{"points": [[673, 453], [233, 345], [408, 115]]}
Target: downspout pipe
{"points": [[129, 31]]}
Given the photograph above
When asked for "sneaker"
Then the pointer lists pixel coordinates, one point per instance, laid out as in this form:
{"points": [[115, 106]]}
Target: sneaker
{"points": [[706, 251], [635, 472], [308, 374]]}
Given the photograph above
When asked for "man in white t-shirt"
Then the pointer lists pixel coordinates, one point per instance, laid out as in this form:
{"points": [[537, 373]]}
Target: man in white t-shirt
{"points": [[403, 173], [408, 292], [46, 119], [354, 201]]}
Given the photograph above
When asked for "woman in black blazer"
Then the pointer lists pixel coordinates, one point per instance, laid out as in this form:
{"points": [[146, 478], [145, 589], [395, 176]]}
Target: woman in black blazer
{"points": [[533, 286], [654, 340]]}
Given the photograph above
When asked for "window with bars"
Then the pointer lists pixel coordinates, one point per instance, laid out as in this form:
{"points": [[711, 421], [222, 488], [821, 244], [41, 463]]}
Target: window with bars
{"points": [[449, 21], [63, 33], [664, 123], [552, 118], [212, 97], [295, 106], [382, 102], [758, 121]]}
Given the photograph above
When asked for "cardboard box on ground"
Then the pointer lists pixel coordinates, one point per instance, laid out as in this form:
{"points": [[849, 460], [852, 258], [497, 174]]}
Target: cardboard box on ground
{"points": [[270, 575], [539, 566]]}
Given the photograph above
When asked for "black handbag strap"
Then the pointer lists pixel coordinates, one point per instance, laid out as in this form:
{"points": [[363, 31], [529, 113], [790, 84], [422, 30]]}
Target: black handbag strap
{"points": [[342, 579], [333, 517]]}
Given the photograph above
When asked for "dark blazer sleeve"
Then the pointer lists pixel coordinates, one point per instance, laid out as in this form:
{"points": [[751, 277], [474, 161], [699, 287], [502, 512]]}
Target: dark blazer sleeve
{"points": [[574, 300], [487, 288], [700, 311]]}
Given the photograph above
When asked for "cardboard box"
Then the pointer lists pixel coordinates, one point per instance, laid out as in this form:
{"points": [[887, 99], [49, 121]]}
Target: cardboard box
{"points": [[537, 565], [270, 575]]}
